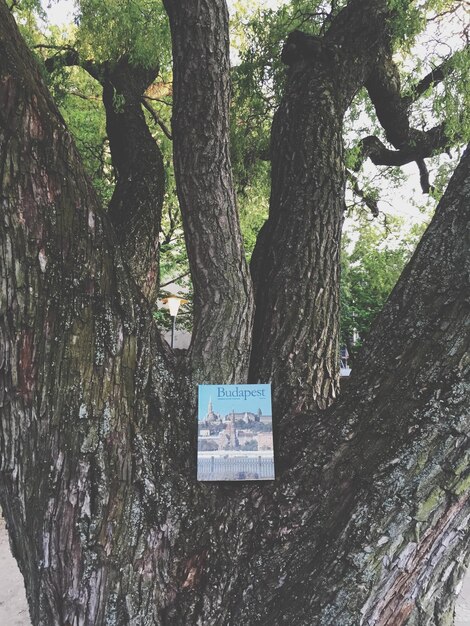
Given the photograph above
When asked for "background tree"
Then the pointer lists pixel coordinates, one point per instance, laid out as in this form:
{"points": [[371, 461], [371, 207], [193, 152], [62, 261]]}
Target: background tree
{"points": [[366, 520], [370, 268]]}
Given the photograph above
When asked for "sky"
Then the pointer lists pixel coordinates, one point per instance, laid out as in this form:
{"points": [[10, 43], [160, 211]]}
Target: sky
{"points": [[224, 405], [59, 13]]}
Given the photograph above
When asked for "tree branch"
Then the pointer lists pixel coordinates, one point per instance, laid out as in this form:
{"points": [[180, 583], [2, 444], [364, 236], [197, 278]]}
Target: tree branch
{"points": [[366, 198], [84, 96], [157, 119], [71, 58], [392, 109], [174, 280], [49, 46], [424, 176], [425, 144], [433, 78], [136, 204], [384, 89], [203, 173], [153, 99]]}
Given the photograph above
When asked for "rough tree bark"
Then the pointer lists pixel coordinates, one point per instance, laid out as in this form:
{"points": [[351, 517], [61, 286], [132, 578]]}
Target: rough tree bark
{"points": [[135, 209], [136, 206], [366, 522], [77, 350], [223, 303], [296, 260]]}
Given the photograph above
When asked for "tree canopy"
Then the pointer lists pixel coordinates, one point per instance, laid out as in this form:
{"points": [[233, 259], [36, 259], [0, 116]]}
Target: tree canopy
{"points": [[432, 60]]}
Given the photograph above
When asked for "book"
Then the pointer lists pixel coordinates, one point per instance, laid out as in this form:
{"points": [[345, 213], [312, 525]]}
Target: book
{"points": [[235, 433]]}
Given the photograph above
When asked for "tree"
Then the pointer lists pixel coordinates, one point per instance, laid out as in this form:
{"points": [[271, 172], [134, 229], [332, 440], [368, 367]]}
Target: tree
{"points": [[366, 521]]}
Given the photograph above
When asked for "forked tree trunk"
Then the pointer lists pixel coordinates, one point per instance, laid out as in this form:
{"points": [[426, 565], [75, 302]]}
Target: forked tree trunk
{"points": [[366, 522]]}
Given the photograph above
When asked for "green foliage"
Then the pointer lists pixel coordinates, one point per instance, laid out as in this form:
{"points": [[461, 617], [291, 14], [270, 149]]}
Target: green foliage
{"points": [[104, 31], [443, 172], [409, 20], [80, 99], [136, 29], [27, 9], [370, 269], [454, 103], [258, 80], [250, 446], [259, 75], [253, 204], [28, 15], [207, 446]]}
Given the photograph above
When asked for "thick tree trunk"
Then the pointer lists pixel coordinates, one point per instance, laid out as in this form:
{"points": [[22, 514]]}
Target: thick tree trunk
{"points": [[79, 362], [223, 307], [396, 489], [366, 522], [295, 264]]}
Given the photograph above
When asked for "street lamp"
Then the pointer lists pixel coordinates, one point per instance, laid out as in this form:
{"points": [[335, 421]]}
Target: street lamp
{"points": [[174, 303]]}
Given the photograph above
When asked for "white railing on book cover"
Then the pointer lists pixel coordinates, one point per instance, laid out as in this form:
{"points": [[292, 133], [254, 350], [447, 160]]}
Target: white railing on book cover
{"points": [[237, 467]]}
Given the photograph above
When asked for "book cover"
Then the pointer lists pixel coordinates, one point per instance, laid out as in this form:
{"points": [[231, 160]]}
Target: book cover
{"points": [[235, 433]]}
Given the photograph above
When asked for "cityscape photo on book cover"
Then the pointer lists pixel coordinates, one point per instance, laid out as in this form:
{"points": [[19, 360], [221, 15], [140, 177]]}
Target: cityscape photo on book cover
{"points": [[235, 433]]}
